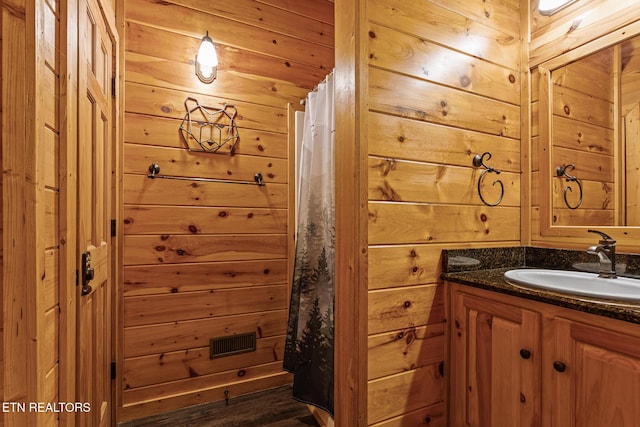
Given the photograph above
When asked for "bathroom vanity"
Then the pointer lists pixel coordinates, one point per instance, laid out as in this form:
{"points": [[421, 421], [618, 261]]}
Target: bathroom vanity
{"points": [[531, 357]]}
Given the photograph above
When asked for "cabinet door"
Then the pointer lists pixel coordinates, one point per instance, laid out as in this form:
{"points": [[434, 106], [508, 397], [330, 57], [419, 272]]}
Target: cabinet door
{"points": [[591, 376], [495, 364]]}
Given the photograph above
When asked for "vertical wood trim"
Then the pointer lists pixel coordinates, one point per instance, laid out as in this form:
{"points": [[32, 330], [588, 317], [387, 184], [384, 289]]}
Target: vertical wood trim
{"points": [[530, 372], [118, 261], [619, 168], [68, 202], [350, 389], [37, 157], [525, 125], [546, 167], [291, 205], [20, 212]]}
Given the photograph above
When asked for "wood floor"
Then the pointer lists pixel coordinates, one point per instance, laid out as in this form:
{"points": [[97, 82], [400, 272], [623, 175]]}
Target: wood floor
{"points": [[271, 408]]}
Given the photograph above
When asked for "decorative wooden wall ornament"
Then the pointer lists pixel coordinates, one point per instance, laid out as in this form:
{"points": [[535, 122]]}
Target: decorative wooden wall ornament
{"points": [[214, 129], [561, 171], [478, 160]]}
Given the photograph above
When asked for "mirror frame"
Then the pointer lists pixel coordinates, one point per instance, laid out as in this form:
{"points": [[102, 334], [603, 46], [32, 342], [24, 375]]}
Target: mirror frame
{"points": [[547, 169]]}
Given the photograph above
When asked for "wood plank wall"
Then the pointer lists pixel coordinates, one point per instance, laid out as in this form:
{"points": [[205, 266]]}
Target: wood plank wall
{"points": [[580, 23], [203, 260], [30, 190], [444, 85]]}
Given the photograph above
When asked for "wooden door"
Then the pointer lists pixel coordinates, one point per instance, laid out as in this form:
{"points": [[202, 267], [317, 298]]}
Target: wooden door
{"points": [[95, 145], [591, 376], [495, 354]]}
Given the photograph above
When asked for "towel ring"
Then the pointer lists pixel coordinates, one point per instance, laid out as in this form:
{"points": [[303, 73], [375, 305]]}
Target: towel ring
{"points": [[478, 161]]}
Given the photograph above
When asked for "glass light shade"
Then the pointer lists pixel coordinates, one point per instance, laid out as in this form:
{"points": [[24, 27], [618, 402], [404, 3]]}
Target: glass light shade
{"points": [[206, 60], [548, 7]]}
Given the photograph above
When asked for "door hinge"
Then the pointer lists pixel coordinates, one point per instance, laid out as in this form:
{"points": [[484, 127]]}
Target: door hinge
{"points": [[113, 86], [77, 278], [113, 369], [113, 228]]}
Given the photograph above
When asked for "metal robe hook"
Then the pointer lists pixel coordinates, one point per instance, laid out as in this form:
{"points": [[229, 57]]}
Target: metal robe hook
{"points": [[478, 161], [561, 171]]}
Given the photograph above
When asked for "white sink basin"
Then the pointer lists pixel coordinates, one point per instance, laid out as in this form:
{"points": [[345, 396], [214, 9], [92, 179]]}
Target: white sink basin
{"points": [[576, 283]]}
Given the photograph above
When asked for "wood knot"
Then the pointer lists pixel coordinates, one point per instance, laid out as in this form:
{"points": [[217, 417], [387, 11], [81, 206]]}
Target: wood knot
{"points": [[411, 336]]}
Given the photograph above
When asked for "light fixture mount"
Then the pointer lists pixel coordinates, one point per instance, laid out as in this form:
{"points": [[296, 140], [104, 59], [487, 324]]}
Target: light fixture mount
{"points": [[549, 7]]}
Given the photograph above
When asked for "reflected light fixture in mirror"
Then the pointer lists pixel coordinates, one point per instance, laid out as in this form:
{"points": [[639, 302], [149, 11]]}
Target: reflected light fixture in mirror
{"points": [[207, 60], [549, 7]]}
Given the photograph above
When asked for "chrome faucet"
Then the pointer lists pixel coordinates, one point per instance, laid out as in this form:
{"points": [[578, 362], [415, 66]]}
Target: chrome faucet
{"points": [[606, 251]]}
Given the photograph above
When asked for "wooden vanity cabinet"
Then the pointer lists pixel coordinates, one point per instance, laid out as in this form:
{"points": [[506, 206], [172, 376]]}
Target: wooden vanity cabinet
{"points": [[495, 363], [590, 375], [517, 362]]}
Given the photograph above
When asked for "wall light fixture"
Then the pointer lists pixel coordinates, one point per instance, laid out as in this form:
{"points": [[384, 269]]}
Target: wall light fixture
{"points": [[549, 7], [207, 60]]}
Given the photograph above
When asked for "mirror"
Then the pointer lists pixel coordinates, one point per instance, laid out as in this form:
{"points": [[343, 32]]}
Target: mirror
{"points": [[590, 137]]}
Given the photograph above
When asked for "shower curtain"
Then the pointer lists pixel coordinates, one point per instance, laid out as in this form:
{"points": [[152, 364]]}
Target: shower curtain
{"points": [[309, 344]]}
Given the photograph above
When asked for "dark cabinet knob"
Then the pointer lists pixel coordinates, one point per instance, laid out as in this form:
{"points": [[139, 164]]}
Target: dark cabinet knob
{"points": [[525, 354], [559, 366]]}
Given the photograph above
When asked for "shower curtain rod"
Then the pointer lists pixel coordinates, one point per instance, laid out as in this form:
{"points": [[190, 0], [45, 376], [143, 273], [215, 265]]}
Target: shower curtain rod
{"points": [[315, 88], [154, 170]]}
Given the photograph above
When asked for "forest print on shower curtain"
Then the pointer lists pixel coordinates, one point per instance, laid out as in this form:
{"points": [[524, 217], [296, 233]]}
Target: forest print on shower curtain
{"points": [[309, 344]]}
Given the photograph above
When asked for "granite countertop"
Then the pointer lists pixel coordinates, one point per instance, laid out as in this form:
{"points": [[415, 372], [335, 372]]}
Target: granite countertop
{"points": [[484, 268]]}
